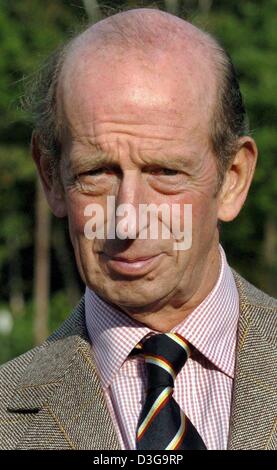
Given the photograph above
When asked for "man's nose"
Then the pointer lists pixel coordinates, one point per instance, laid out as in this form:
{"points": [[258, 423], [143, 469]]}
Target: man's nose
{"points": [[127, 203]]}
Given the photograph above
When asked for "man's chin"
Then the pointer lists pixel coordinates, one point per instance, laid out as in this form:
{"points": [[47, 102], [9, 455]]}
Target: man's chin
{"points": [[138, 303]]}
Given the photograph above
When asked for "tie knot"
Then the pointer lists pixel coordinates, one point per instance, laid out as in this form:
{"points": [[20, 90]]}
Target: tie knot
{"points": [[165, 355]]}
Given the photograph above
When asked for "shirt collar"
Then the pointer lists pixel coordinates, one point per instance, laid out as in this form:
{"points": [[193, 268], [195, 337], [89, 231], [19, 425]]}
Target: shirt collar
{"points": [[112, 333], [210, 328]]}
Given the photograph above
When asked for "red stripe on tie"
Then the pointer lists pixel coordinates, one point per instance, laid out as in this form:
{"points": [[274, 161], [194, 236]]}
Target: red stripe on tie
{"points": [[155, 356], [182, 437], [162, 405], [184, 340]]}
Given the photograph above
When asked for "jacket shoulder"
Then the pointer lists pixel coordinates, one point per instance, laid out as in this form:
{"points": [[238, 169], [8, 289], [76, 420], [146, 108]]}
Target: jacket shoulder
{"points": [[257, 307], [29, 372], [252, 294], [12, 371]]}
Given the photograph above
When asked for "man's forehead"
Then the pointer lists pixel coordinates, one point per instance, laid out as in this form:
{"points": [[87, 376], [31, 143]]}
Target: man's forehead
{"points": [[110, 72]]}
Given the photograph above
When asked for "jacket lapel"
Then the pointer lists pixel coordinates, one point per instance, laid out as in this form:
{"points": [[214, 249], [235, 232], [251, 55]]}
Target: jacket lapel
{"points": [[253, 412], [62, 390]]}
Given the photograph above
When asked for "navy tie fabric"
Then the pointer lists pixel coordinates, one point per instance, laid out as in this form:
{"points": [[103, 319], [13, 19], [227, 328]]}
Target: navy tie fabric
{"points": [[162, 424]]}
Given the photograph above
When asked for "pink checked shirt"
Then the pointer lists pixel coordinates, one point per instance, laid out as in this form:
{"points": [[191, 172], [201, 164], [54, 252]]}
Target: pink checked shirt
{"points": [[203, 387]]}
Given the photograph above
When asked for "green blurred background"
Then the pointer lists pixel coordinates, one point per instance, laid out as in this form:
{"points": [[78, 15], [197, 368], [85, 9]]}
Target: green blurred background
{"points": [[39, 283]]}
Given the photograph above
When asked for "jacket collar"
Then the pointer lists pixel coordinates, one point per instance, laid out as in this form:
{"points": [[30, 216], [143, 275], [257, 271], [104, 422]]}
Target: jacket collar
{"points": [[61, 388], [51, 363]]}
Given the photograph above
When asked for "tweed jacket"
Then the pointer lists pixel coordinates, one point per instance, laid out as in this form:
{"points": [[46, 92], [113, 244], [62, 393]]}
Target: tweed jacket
{"points": [[51, 397]]}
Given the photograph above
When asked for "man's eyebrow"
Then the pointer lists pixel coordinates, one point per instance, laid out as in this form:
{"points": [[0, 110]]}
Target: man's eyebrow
{"points": [[182, 161], [88, 161]]}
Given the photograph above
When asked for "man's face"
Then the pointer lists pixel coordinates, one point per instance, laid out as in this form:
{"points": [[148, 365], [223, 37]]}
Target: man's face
{"points": [[138, 130]]}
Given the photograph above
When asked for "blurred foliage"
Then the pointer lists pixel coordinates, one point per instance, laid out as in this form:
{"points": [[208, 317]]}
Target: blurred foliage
{"points": [[21, 337], [29, 30], [248, 31]]}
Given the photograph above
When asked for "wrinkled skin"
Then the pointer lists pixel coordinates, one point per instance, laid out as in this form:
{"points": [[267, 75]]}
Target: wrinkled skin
{"points": [[138, 130]]}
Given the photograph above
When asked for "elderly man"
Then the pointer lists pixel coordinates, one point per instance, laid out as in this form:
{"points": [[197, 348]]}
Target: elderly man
{"points": [[169, 348]]}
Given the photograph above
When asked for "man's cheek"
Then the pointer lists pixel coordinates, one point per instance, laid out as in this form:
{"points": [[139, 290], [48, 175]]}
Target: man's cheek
{"points": [[190, 206], [76, 214], [77, 222], [204, 221]]}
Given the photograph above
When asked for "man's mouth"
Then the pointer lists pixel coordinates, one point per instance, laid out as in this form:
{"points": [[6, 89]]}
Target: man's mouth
{"points": [[132, 266]]}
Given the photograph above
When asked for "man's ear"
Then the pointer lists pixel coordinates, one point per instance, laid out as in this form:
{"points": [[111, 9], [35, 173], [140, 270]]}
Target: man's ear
{"points": [[237, 180], [53, 189]]}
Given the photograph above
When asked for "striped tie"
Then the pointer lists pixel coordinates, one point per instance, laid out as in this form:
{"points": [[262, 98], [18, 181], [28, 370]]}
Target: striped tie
{"points": [[162, 424]]}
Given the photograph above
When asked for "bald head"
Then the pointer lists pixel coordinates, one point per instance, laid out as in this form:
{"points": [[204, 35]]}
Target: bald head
{"points": [[146, 41], [156, 60], [148, 33], [144, 28]]}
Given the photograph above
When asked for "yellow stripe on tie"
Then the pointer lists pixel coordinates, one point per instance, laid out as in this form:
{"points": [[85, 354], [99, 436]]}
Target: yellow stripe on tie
{"points": [[161, 363], [180, 341], [174, 444], [153, 411]]}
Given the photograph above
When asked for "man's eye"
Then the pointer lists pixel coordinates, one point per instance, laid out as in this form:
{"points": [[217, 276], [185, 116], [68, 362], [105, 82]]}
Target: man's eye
{"points": [[164, 171], [97, 172]]}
